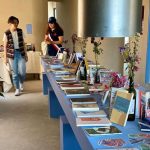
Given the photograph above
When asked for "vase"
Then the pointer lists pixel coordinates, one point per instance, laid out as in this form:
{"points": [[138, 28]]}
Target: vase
{"points": [[97, 79], [131, 89]]}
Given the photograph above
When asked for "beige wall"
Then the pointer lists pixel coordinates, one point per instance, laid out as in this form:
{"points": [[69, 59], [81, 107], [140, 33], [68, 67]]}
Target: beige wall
{"points": [[140, 75], [67, 17], [33, 12]]}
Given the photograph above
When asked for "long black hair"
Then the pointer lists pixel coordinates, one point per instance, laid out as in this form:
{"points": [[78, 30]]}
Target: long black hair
{"points": [[57, 27]]}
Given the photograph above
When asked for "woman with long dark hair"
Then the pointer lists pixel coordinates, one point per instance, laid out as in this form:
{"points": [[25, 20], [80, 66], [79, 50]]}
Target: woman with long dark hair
{"points": [[54, 36]]}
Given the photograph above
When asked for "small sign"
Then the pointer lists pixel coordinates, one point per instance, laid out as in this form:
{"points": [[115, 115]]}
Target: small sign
{"points": [[29, 28]]}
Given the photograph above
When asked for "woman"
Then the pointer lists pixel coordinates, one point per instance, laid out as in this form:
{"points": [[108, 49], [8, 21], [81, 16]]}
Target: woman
{"points": [[54, 36], [15, 53]]}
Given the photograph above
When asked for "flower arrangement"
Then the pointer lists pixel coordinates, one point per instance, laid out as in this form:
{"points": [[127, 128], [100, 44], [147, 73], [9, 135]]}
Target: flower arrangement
{"points": [[130, 55], [83, 42], [97, 49], [74, 39], [117, 80]]}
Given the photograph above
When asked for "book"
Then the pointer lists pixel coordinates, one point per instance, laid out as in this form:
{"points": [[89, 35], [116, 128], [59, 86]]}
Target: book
{"points": [[83, 100], [67, 81], [96, 88], [144, 128], [145, 122], [85, 107], [102, 131], [77, 92], [82, 114], [71, 86], [130, 148], [121, 107], [95, 121], [70, 77]]}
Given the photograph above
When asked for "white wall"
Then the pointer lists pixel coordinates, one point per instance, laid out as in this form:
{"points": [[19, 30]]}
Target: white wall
{"points": [[51, 6]]}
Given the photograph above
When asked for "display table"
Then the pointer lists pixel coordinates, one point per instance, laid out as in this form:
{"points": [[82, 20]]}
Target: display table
{"points": [[71, 136]]}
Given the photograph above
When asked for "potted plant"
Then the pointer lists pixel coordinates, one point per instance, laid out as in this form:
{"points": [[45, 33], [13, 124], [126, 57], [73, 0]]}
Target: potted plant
{"points": [[97, 52], [83, 42]]}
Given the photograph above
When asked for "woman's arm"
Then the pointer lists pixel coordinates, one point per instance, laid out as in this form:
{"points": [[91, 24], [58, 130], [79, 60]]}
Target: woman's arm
{"points": [[48, 41]]}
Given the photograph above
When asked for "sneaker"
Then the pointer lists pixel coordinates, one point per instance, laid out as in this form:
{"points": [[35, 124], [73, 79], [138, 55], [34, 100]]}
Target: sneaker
{"points": [[21, 87], [17, 92]]}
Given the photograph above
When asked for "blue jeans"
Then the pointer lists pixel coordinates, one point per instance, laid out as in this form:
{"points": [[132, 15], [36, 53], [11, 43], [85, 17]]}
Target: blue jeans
{"points": [[18, 66]]}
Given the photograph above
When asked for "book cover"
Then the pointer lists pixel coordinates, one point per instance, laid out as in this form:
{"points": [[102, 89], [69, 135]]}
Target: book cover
{"points": [[144, 128], [121, 107], [131, 148], [85, 107], [71, 86], [69, 77], [96, 88], [84, 100], [93, 121], [82, 114], [145, 122], [77, 92], [66, 81], [102, 131]]}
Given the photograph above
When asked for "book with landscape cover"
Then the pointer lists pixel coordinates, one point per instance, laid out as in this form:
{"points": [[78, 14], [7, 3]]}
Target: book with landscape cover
{"points": [[83, 100], [96, 131], [82, 114], [121, 107], [85, 107], [77, 92], [94, 121]]}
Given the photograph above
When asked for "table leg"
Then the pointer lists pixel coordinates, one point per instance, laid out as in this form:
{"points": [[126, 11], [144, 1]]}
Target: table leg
{"points": [[67, 138], [46, 84], [55, 109]]}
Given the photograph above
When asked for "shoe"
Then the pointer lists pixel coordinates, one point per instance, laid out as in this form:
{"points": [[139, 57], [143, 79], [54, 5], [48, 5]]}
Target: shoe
{"points": [[21, 87], [17, 92]]}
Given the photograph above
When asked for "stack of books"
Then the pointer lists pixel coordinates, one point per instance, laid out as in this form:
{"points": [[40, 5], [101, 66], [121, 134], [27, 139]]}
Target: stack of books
{"points": [[88, 113]]}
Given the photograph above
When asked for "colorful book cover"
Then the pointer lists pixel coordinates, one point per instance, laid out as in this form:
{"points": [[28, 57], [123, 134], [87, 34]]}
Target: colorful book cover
{"points": [[77, 92], [102, 131], [82, 114], [95, 121], [84, 100], [121, 108], [112, 142], [85, 107], [71, 86]]}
